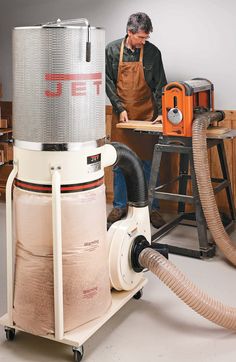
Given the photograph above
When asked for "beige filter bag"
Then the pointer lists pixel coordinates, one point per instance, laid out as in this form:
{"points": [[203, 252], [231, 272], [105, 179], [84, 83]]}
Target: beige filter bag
{"points": [[86, 283]]}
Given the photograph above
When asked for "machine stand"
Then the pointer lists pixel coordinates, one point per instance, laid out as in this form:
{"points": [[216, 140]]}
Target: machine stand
{"points": [[183, 147]]}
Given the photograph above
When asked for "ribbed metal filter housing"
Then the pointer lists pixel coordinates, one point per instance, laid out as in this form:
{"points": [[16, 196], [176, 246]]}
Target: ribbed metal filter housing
{"points": [[58, 97]]}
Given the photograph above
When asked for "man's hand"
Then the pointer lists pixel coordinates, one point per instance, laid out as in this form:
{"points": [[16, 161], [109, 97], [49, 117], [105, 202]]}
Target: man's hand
{"points": [[124, 117], [157, 120]]}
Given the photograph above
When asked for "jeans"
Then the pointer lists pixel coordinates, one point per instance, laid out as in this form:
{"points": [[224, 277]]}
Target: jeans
{"points": [[119, 186]]}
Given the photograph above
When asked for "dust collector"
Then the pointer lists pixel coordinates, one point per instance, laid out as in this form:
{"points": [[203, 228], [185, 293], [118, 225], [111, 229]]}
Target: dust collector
{"points": [[58, 275], [64, 266], [59, 190]]}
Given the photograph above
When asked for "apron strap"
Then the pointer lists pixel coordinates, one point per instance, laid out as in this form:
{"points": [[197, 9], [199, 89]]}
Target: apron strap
{"points": [[122, 52], [141, 55]]}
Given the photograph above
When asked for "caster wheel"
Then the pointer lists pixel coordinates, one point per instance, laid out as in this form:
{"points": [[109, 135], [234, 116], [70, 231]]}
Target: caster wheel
{"points": [[10, 333], [78, 353], [138, 295]]}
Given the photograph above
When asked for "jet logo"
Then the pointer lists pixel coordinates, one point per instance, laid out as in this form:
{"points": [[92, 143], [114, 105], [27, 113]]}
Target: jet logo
{"points": [[78, 83]]}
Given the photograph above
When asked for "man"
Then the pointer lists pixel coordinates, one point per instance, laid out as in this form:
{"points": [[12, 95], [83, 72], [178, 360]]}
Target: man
{"points": [[134, 80]]}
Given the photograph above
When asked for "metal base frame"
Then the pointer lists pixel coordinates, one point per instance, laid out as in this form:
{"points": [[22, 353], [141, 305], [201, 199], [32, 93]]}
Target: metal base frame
{"points": [[183, 147]]}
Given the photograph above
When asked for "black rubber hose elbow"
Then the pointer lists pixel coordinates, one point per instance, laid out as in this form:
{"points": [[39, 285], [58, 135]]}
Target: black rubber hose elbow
{"points": [[131, 166]]}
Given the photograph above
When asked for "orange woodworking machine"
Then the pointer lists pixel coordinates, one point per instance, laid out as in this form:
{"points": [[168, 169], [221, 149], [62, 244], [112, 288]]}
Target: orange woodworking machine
{"points": [[180, 100]]}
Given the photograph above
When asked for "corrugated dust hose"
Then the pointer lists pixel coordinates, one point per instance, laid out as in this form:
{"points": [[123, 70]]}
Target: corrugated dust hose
{"points": [[196, 299], [168, 273], [206, 193]]}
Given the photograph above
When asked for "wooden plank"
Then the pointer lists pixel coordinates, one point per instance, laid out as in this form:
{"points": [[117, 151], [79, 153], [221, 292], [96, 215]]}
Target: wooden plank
{"points": [[6, 111], [148, 126], [215, 164], [231, 115], [5, 131], [141, 125], [217, 130]]}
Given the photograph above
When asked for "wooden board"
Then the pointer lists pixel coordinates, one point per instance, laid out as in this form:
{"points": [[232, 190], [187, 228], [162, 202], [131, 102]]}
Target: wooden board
{"points": [[217, 130], [6, 111], [5, 131], [148, 126], [142, 125], [215, 168]]}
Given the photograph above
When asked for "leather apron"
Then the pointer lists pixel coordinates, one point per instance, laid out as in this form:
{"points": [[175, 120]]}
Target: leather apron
{"points": [[137, 99]]}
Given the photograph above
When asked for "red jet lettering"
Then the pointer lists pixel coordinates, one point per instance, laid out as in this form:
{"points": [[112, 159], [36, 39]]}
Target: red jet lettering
{"points": [[58, 92], [78, 88], [79, 83]]}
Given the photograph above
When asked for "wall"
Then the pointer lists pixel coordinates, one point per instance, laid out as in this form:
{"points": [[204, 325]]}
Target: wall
{"points": [[197, 38]]}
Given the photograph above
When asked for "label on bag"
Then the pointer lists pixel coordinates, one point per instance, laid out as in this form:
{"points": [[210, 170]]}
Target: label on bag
{"points": [[90, 293], [94, 163]]}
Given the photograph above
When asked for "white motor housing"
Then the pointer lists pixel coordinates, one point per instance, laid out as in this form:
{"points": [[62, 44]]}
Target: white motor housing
{"points": [[121, 236]]}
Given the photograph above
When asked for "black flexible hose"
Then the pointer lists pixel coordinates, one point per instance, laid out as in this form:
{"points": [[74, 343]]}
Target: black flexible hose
{"points": [[131, 166]]}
